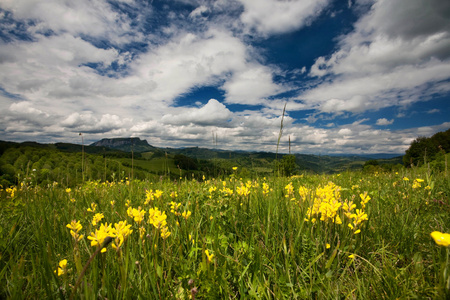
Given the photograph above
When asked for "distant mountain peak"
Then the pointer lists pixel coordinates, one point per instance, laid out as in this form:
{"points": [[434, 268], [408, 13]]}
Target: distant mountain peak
{"points": [[125, 144]]}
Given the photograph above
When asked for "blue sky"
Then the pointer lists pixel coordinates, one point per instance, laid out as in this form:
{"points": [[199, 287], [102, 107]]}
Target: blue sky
{"points": [[356, 76]]}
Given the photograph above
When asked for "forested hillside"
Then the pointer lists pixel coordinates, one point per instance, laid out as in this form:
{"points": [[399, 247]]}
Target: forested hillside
{"points": [[45, 165], [424, 150]]}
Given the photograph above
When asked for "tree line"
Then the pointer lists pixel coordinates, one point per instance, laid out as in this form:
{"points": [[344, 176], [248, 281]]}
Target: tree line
{"points": [[424, 150]]}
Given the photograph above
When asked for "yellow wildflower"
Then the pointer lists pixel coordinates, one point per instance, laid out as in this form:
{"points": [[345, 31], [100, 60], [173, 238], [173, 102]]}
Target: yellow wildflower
{"points": [[75, 228], [442, 239], [62, 267], [136, 214], [289, 189], [122, 231], [100, 234], [208, 255], [174, 208], [158, 194], [141, 232], [165, 232], [157, 218], [243, 190], [92, 208], [149, 196], [266, 189], [417, 183], [97, 218], [303, 191], [186, 215], [11, 191], [364, 199]]}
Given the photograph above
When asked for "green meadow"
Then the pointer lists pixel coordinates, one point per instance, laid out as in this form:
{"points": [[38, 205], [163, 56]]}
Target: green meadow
{"points": [[352, 235]]}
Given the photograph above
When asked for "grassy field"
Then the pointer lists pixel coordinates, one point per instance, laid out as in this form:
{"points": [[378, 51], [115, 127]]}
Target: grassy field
{"points": [[344, 236]]}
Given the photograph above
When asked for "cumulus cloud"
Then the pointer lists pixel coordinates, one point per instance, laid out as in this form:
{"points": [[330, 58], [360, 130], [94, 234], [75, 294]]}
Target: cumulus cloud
{"points": [[199, 12], [51, 66], [189, 60], [384, 121], [433, 111], [213, 113], [273, 16], [390, 59], [251, 85], [81, 17], [90, 123]]}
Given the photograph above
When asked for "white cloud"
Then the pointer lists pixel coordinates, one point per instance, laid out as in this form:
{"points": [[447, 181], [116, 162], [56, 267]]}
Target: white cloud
{"points": [[188, 61], [89, 123], [384, 121], [434, 111], [213, 113], [199, 12], [390, 59], [51, 66], [81, 17], [273, 16], [250, 85]]}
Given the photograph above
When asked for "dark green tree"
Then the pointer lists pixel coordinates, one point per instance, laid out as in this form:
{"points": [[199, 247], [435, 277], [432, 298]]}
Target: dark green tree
{"points": [[288, 165]]}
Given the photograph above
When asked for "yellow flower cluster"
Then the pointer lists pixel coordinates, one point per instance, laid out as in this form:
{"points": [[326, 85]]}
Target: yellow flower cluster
{"points": [[11, 191], [417, 183], [121, 230], [326, 204], [174, 208], [158, 220], [186, 214], [92, 208], [303, 192], [211, 191], [244, 190], [101, 234], [227, 191], [150, 195], [289, 190], [75, 228], [136, 214], [97, 218], [359, 215], [266, 189]]}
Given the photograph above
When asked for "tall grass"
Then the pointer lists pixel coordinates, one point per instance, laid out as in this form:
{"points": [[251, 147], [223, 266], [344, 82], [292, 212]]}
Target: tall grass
{"points": [[230, 239]]}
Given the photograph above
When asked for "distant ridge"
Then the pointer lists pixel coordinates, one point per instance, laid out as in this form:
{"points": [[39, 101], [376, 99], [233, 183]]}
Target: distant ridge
{"points": [[134, 144]]}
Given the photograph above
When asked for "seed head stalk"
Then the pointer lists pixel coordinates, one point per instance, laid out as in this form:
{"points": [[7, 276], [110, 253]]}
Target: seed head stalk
{"points": [[105, 243]]}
